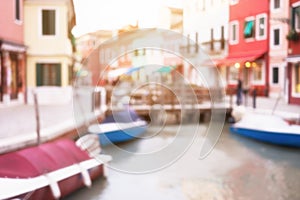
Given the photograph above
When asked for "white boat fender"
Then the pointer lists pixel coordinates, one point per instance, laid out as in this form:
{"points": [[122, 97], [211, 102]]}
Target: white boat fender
{"points": [[54, 187], [85, 176]]}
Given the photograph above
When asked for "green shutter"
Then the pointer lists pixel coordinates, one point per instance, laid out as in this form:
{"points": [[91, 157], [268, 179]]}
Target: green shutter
{"points": [[297, 10], [248, 28], [39, 74], [58, 74], [292, 17]]}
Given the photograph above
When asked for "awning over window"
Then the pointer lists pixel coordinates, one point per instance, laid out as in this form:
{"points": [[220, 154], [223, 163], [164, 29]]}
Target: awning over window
{"points": [[241, 58]]}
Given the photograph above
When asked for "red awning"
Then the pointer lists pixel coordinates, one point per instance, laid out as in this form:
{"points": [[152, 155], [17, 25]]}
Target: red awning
{"points": [[241, 58]]}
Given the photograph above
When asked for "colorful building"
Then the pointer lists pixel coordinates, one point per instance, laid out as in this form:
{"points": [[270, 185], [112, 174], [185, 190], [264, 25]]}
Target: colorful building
{"points": [[48, 27], [278, 48], [248, 48], [206, 27], [12, 52], [88, 54], [293, 58]]}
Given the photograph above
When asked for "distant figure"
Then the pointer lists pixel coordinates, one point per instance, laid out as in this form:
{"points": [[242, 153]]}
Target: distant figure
{"points": [[239, 92]]}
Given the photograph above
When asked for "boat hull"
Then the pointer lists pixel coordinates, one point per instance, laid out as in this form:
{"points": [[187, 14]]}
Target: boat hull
{"points": [[285, 139], [120, 126], [66, 186], [121, 135], [48, 171]]}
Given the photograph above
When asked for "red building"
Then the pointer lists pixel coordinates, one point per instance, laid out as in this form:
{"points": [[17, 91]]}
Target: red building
{"points": [[294, 53], [248, 45], [12, 51]]}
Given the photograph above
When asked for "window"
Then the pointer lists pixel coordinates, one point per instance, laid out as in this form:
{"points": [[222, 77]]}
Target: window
{"points": [[70, 72], [48, 74], [249, 29], [261, 27], [233, 74], [276, 39], [48, 22], [234, 30], [136, 52], [296, 85], [203, 5], [275, 75], [17, 10], [276, 4], [258, 72], [296, 11]]}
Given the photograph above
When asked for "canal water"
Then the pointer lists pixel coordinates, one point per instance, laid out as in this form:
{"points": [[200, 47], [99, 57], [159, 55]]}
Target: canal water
{"points": [[236, 168]]}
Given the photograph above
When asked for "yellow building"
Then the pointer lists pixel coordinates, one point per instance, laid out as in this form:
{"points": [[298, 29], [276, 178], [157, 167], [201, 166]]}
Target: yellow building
{"points": [[48, 25]]}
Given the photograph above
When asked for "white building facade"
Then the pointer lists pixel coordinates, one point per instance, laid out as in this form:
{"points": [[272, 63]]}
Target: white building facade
{"points": [[206, 24]]}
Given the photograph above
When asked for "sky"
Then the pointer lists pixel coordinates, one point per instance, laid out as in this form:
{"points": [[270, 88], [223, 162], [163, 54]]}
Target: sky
{"points": [[92, 15]]}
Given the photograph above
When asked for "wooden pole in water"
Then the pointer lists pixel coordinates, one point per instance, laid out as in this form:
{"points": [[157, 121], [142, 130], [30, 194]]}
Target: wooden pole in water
{"points": [[37, 118]]}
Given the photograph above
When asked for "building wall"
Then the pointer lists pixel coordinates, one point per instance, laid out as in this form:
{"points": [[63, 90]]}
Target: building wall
{"points": [[46, 45], [11, 29], [47, 49], [294, 64], [49, 57], [12, 52], [31, 67], [239, 12], [278, 52], [294, 46], [200, 18]]}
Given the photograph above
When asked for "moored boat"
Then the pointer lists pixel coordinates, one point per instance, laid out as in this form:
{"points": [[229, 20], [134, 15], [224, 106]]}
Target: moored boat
{"points": [[109, 133], [267, 128], [121, 126], [48, 171]]}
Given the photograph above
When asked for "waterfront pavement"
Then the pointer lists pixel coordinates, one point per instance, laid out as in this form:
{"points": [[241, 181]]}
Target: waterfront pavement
{"points": [[19, 125], [18, 122], [276, 106]]}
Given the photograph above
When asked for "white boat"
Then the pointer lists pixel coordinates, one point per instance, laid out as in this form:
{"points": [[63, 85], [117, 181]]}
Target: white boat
{"points": [[115, 132], [120, 126], [267, 128]]}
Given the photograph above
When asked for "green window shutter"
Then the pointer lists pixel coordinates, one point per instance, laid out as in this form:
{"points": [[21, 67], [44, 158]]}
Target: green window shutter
{"points": [[292, 17], [249, 25], [297, 10], [294, 12], [296, 15], [58, 74], [39, 75]]}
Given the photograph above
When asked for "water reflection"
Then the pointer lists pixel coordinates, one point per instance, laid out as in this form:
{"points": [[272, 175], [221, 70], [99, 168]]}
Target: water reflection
{"points": [[237, 168]]}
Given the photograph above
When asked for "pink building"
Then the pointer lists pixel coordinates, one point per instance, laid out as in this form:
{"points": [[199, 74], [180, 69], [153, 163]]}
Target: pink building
{"points": [[12, 51], [278, 48]]}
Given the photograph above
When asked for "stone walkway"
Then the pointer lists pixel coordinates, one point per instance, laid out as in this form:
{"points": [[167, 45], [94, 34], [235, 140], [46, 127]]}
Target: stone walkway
{"points": [[18, 122]]}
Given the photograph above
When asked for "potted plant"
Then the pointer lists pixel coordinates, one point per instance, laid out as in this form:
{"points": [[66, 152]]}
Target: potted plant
{"points": [[292, 35]]}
